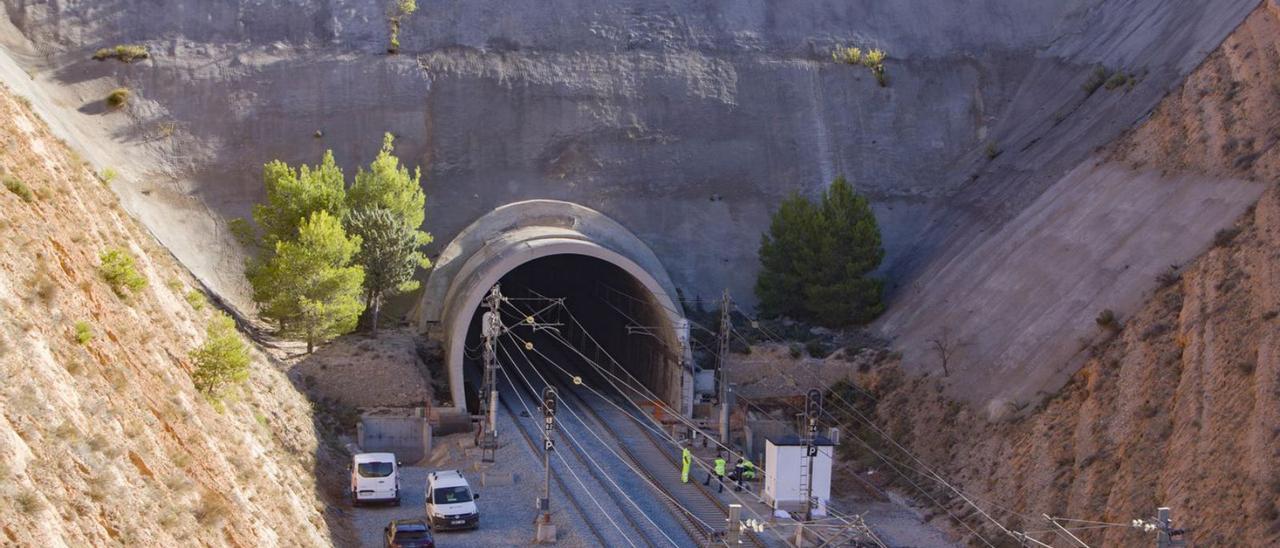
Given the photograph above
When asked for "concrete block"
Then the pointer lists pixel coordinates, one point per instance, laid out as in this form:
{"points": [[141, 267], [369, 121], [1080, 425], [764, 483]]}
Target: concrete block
{"points": [[546, 534]]}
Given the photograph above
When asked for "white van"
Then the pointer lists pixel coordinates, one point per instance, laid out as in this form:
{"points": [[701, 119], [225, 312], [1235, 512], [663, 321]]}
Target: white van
{"points": [[450, 502], [375, 477]]}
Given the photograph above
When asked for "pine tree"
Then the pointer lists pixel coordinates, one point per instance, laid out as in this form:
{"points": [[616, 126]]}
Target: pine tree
{"points": [[222, 359], [388, 207], [389, 254], [850, 250], [293, 195], [816, 259], [309, 286], [388, 185], [788, 253]]}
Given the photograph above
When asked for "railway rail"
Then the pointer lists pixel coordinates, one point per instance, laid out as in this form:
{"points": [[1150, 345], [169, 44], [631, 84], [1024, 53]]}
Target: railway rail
{"points": [[635, 531], [706, 514]]}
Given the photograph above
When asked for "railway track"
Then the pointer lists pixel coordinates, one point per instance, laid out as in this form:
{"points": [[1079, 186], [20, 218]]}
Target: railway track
{"points": [[706, 515], [608, 498], [536, 447]]}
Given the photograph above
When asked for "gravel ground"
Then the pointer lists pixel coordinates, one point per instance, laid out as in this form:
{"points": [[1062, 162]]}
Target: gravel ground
{"points": [[506, 512]]}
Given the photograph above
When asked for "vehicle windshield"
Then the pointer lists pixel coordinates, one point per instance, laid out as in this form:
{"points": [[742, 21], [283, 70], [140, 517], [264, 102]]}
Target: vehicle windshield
{"points": [[376, 469], [411, 535], [451, 495]]}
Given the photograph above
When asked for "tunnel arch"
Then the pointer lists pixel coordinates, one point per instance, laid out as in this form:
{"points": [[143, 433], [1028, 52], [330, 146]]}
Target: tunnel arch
{"points": [[524, 232]]}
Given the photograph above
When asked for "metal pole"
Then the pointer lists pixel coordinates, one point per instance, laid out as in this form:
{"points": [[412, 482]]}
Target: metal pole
{"points": [[491, 327], [723, 385], [813, 409], [548, 445]]}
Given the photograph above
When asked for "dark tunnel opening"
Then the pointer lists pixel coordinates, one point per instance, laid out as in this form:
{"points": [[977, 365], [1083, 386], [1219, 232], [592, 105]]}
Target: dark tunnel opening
{"points": [[607, 313]]}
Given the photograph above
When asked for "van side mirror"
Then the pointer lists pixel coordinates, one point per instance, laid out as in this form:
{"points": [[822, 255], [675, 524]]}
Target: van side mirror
{"points": [[476, 496]]}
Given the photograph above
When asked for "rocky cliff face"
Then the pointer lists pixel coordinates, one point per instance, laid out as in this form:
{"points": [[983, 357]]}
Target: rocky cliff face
{"points": [[1177, 404], [103, 439]]}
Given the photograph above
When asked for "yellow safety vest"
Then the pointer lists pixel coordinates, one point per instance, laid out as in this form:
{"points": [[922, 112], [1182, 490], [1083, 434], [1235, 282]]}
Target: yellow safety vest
{"points": [[749, 470], [719, 467]]}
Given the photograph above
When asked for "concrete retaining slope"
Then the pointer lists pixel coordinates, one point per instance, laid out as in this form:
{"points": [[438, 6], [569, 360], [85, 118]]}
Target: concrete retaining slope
{"points": [[1020, 304], [686, 122]]}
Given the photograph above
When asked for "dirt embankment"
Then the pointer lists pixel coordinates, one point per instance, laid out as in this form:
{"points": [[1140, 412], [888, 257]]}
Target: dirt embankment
{"points": [[103, 439], [1180, 405]]}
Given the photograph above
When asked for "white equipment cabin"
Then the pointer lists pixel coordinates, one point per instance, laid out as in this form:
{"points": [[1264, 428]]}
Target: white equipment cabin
{"points": [[786, 472]]}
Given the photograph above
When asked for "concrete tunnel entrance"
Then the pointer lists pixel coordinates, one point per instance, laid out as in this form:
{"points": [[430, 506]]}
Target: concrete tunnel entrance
{"points": [[607, 314], [611, 282]]}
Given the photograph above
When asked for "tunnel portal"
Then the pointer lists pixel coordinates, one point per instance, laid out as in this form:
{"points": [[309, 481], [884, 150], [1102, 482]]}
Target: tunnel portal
{"points": [[602, 311], [613, 285]]}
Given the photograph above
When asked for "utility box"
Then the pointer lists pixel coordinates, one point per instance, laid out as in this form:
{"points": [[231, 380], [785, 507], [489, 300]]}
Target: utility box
{"points": [[786, 471]]}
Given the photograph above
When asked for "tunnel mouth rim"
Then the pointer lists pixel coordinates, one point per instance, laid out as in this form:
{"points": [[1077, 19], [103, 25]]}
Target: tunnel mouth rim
{"points": [[465, 298]]}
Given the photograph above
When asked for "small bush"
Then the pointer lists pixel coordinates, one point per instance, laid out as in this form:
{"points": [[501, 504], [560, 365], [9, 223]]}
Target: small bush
{"points": [[118, 270], [874, 58], [19, 188], [850, 55], [195, 299], [795, 351], [28, 502], [1224, 237], [1096, 79], [84, 332], [1107, 320], [816, 348], [118, 97], [107, 175], [124, 52], [1116, 80], [1169, 277], [222, 359], [992, 150]]}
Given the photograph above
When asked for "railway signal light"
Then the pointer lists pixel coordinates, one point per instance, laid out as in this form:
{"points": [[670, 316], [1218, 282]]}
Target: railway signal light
{"points": [[813, 404]]}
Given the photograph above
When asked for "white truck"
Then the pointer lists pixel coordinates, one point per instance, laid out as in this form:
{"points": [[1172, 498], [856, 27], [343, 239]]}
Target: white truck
{"points": [[375, 477], [450, 502]]}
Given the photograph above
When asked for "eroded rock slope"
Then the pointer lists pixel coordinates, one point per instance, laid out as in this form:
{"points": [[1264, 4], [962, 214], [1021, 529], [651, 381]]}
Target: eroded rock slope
{"points": [[103, 439]]}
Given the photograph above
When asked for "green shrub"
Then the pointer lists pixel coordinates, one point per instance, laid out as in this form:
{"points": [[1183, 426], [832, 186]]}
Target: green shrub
{"points": [[1096, 79], [1116, 80], [84, 332], [118, 270], [118, 97], [123, 52], [195, 299], [992, 150], [400, 8], [107, 175], [850, 55], [223, 359], [874, 58], [18, 187]]}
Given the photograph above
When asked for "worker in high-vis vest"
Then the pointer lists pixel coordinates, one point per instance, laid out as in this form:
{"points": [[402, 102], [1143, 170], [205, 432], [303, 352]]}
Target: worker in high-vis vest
{"points": [[686, 459], [748, 470], [718, 471]]}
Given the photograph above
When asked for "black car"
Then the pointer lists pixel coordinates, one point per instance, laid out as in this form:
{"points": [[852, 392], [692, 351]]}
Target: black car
{"points": [[408, 533]]}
